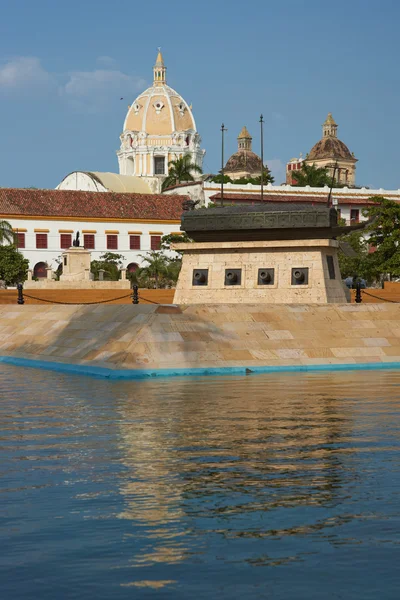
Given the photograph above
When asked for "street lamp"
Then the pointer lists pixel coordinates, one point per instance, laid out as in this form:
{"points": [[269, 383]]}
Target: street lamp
{"points": [[223, 129], [262, 156]]}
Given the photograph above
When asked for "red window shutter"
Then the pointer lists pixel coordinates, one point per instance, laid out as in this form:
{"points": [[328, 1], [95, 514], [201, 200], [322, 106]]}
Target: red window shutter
{"points": [[21, 240], [134, 242], [112, 242], [41, 240], [155, 242], [65, 241], [88, 241]]}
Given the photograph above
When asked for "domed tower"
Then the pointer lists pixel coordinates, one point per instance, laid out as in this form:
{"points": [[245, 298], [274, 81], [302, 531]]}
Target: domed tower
{"points": [[158, 128], [244, 163], [330, 150]]}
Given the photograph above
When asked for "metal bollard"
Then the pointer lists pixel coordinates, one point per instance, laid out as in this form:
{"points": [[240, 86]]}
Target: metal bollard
{"points": [[20, 293], [358, 292], [135, 295]]}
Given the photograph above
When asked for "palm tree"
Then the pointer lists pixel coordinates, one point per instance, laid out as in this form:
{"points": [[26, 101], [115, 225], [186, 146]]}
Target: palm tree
{"points": [[157, 265], [312, 176], [180, 170], [7, 234]]}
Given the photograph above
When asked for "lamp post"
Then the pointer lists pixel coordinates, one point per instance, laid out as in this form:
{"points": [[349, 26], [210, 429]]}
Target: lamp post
{"points": [[223, 129], [262, 157], [332, 182]]}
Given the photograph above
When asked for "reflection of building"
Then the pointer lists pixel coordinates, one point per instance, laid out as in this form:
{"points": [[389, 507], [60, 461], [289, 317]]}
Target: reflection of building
{"points": [[245, 162], [158, 128]]}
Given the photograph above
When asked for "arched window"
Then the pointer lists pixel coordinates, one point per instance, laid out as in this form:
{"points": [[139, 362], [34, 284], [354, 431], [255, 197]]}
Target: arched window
{"points": [[132, 267], [40, 270]]}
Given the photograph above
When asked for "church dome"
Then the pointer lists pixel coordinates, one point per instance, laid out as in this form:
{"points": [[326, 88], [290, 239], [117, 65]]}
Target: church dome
{"points": [[159, 110], [244, 160], [329, 147]]}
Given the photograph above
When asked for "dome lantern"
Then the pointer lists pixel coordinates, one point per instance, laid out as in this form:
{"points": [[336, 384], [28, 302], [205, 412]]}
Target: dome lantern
{"points": [[244, 139], [160, 70], [329, 128]]}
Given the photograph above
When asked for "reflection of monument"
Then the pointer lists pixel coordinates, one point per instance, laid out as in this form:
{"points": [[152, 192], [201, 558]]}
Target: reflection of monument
{"points": [[273, 252]]}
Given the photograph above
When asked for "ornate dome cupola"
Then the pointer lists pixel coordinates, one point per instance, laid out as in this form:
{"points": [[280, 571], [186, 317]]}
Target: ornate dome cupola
{"points": [[159, 127], [160, 70], [245, 162], [244, 140], [329, 128], [330, 151]]}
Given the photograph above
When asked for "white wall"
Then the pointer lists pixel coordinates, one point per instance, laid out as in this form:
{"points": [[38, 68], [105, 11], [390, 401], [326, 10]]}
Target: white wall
{"points": [[53, 252]]}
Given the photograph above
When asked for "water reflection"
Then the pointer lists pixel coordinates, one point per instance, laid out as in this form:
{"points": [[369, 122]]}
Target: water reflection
{"points": [[168, 486], [228, 451]]}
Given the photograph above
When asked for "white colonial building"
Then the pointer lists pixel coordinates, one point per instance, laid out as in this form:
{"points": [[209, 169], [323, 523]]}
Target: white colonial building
{"points": [[46, 222]]}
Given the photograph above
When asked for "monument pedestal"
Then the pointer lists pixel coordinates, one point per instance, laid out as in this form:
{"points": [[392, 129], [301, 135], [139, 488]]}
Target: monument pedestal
{"points": [[266, 271], [76, 265]]}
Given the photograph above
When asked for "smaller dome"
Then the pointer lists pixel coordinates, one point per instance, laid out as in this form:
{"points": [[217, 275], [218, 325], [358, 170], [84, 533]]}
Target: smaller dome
{"points": [[330, 147], [244, 160]]}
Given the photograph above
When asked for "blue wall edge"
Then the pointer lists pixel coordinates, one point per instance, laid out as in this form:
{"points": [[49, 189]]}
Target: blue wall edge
{"points": [[104, 373]]}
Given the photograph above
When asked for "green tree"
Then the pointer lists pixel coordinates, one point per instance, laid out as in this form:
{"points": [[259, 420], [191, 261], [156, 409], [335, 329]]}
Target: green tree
{"points": [[180, 171], [384, 234], [13, 266], [171, 238], [218, 179], [358, 264], [155, 270], [267, 178], [7, 234], [111, 263], [311, 175]]}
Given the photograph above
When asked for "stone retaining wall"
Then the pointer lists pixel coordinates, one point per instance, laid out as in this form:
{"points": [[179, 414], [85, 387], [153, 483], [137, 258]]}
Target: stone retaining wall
{"points": [[202, 336]]}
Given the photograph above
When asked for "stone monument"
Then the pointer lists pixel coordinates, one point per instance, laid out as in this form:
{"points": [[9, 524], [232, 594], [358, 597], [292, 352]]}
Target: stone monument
{"points": [[269, 253], [76, 273]]}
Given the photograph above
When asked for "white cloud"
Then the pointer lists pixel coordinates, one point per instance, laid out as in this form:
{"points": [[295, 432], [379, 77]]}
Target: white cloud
{"points": [[23, 71], [93, 90], [278, 170], [107, 62]]}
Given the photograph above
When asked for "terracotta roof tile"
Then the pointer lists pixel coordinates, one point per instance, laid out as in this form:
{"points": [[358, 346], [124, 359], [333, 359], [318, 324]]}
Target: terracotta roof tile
{"points": [[109, 205]]}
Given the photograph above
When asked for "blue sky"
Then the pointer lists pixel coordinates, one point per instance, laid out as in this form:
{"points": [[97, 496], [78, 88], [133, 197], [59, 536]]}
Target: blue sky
{"points": [[65, 65]]}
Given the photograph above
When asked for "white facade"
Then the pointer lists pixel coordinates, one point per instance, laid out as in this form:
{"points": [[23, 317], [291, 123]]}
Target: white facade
{"points": [[54, 228]]}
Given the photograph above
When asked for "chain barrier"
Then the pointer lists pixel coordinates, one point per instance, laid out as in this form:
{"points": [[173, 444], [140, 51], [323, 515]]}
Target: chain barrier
{"points": [[380, 298], [134, 294], [76, 303], [147, 300]]}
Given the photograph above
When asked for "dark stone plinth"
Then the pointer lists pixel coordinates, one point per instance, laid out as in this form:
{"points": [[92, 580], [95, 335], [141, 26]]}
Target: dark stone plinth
{"points": [[272, 221]]}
